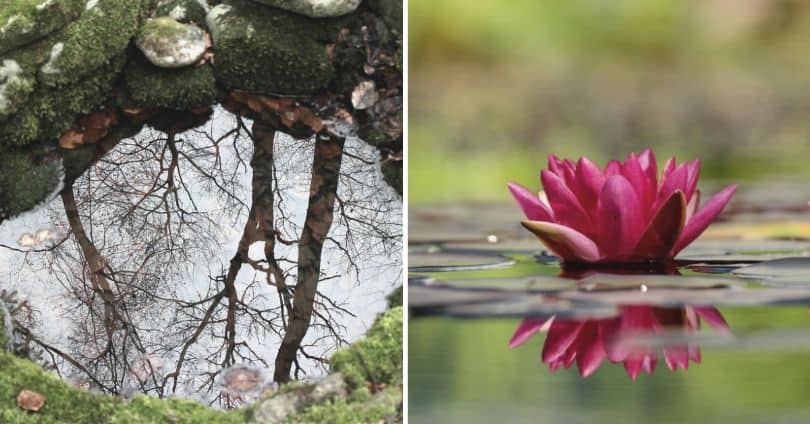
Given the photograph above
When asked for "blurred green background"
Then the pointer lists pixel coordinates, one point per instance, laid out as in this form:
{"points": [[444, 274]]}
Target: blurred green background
{"points": [[496, 86]]}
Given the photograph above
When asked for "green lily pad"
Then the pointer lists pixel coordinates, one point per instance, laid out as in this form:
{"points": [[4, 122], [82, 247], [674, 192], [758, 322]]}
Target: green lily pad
{"points": [[528, 284], [782, 272], [443, 262]]}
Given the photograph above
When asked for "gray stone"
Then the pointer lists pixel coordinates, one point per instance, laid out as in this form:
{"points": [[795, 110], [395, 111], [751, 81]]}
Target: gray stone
{"points": [[282, 405], [169, 44], [315, 8]]}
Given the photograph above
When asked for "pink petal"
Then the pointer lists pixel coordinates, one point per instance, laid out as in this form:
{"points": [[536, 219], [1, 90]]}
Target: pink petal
{"points": [[564, 204], [590, 353], [693, 205], [560, 337], [589, 181], [633, 367], [555, 165], [692, 175], [631, 170], [675, 180], [664, 229], [566, 242], [668, 168], [620, 220], [703, 217], [694, 352], [676, 357], [531, 205], [526, 330], [648, 163], [613, 168], [713, 317]]}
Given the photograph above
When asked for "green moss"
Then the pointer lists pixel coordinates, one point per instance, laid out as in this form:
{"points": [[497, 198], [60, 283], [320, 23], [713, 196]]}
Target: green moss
{"points": [[378, 357], [51, 112], [340, 412], [390, 10], [395, 298], [101, 33], [24, 184], [66, 404], [185, 11], [287, 52], [392, 174], [24, 21], [177, 89]]}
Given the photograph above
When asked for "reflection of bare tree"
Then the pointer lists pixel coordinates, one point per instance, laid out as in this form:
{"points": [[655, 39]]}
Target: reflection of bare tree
{"points": [[146, 222]]}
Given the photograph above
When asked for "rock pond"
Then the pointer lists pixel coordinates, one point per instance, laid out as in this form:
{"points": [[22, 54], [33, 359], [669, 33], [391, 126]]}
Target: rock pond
{"points": [[194, 204]]}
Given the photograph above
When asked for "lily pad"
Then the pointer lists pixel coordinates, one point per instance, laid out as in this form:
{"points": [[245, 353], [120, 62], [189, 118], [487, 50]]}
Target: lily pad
{"points": [[787, 271], [743, 250], [536, 307], [441, 262], [423, 299], [528, 284], [494, 244], [603, 281], [709, 297]]}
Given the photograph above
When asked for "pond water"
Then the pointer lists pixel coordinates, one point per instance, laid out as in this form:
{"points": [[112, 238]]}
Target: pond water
{"points": [[128, 281], [731, 317]]}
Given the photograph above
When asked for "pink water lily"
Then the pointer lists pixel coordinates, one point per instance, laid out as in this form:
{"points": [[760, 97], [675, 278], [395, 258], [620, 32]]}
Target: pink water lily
{"points": [[589, 342], [621, 213]]}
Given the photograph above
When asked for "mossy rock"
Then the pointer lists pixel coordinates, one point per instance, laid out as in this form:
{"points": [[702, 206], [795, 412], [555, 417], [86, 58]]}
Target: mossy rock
{"points": [[101, 33], [185, 11], [25, 184], [378, 357], [178, 89], [390, 10], [392, 174], [66, 404], [25, 21], [50, 112], [18, 73], [287, 52]]}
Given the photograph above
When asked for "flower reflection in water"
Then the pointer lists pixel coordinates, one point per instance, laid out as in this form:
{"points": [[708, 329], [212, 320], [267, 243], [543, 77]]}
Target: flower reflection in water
{"points": [[588, 342]]}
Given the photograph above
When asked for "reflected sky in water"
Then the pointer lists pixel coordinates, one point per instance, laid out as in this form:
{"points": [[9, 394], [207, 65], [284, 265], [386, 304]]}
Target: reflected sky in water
{"points": [[165, 246]]}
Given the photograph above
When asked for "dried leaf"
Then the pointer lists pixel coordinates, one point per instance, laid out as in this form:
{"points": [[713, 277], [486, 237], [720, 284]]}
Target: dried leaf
{"points": [[71, 140], [30, 400]]}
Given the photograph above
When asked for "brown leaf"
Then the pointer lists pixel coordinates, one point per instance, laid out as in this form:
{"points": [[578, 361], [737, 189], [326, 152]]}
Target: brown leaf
{"points": [[71, 139], [30, 400]]}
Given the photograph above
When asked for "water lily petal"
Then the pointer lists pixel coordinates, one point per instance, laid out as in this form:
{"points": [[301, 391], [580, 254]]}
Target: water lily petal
{"points": [[664, 229], [566, 242], [703, 217], [531, 205], [631, 170], [633, 367], [526, 330], [590, 353], [673, 181], [713, 317], [668, 168], [676, 357], [648, 163], [620, 220], [560, 337], [555, 165], [589, 181], [564, 204], [692, 175], [693, 205], [613, 168]]}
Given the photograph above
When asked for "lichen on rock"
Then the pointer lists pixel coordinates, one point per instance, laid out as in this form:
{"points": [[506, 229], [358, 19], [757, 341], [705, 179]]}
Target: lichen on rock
{"points": [[90, 42], [170, 44], [25, 21], [49, 112], [185, 11], [287, 52], [315, 8]]}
